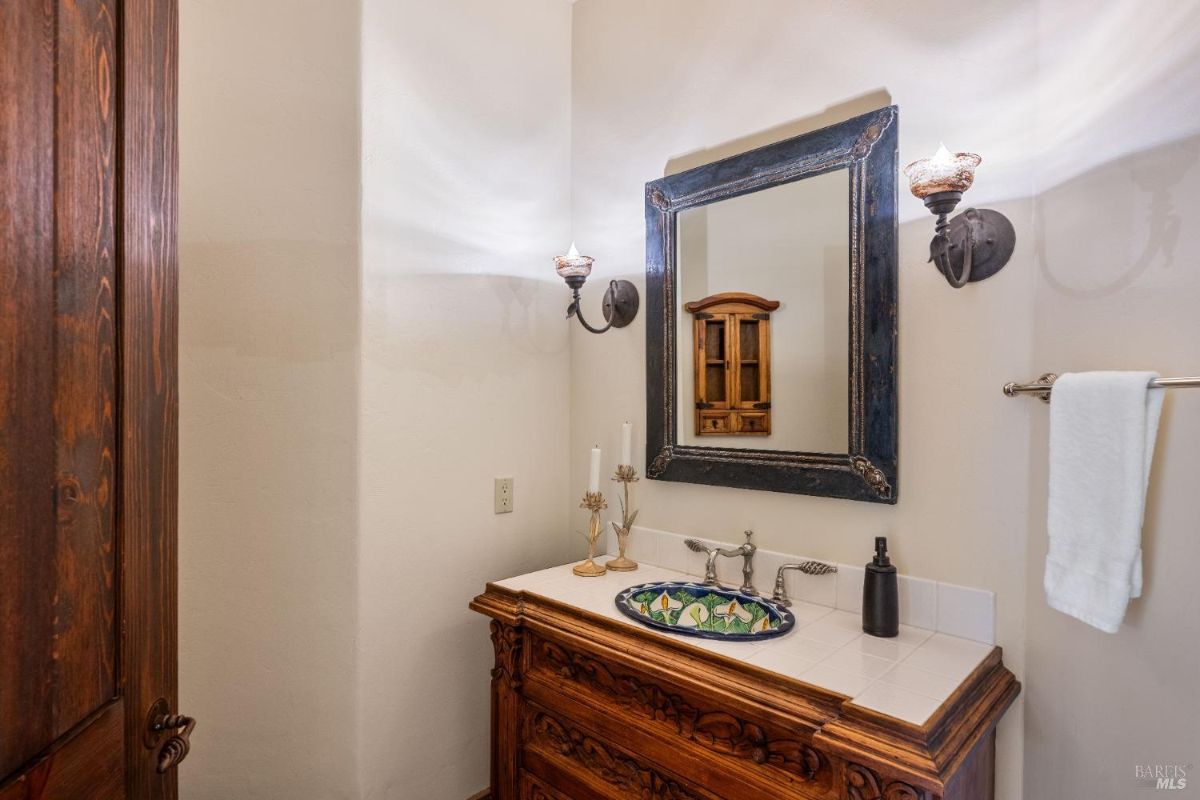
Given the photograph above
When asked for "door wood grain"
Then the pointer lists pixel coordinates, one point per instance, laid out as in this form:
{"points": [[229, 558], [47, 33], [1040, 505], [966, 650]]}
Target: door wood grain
{"points": [[28, 539], [149, 380], [88, 397]]}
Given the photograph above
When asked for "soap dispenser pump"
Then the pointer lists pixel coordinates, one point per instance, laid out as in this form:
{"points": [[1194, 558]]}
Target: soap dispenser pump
{"points": [[881, 595]]}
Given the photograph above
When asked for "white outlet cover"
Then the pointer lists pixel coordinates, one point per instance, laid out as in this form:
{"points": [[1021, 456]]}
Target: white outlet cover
{"points": [[504, 495]]}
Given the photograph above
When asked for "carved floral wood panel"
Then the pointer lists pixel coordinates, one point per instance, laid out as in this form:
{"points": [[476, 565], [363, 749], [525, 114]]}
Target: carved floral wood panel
{"points": [[534, 789], [864, 784], [628, 775], [507, 711], [715, 730], [508, 642]]}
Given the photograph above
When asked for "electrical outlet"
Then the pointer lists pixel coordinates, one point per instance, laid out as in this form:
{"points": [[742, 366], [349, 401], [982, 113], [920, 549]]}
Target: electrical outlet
{"points": [[504, 495]]}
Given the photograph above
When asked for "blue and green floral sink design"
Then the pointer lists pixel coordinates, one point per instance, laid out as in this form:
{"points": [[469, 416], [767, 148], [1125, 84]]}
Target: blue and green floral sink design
{"points": [[692, 609]]}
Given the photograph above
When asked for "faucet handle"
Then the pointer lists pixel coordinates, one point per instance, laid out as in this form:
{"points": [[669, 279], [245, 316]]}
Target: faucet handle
{"points": [[710, 555], [807, 567], [816, 568]]}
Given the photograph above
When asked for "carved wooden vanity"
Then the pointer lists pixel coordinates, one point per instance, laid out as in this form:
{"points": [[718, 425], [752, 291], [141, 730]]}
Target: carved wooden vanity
{"points": [[587, 707]]}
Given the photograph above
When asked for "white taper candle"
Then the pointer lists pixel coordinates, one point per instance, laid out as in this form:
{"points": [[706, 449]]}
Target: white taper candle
{"points": [[594, 475]]}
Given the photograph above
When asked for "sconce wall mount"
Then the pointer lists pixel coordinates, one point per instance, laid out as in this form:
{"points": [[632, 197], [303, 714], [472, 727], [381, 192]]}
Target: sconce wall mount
{"points": [[977, 243], [621, 300]]}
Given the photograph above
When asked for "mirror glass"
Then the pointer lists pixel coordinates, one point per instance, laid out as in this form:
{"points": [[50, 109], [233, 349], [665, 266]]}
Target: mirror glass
{"points": [[770, 375]]}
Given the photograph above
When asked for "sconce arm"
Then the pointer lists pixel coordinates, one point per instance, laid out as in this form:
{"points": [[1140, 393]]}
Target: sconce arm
{"points": [[979, 239], [941, 249], [577, 309], [620, 304]]}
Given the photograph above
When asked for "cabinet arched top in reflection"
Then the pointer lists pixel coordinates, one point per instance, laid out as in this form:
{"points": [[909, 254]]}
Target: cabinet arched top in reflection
{"points": [[724, 298]]}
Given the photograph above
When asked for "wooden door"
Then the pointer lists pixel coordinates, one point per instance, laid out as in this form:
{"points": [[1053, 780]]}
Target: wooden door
{"points": [[752, 372], [714, 389], [88, 400]]}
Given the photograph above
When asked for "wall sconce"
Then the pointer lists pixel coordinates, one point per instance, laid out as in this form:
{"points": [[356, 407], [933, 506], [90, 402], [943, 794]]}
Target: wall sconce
{"points": [[978, 242], [620, 301]]}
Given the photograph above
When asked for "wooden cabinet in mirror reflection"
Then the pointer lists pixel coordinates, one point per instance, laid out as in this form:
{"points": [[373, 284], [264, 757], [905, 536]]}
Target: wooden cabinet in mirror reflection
{"points": [[731, 350]]}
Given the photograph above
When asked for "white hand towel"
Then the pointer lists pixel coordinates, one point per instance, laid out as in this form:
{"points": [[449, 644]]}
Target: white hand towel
{"points": [[1102, 431]]}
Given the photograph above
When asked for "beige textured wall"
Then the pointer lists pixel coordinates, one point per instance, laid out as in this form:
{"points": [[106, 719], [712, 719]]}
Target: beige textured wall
{"points": [[341, 429], [466, 196], [268, 382], [1118, 287]]}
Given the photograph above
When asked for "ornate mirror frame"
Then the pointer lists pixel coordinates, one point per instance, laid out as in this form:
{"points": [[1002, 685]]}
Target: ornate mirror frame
{"points": [[867, 147]]}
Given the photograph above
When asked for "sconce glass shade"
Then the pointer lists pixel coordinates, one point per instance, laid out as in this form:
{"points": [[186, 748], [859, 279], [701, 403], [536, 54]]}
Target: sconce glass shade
{"points": [[573, 265], [945, 172]]}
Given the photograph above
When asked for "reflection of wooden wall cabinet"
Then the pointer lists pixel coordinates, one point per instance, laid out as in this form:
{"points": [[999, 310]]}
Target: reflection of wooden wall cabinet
{"points": [[731, 347]]}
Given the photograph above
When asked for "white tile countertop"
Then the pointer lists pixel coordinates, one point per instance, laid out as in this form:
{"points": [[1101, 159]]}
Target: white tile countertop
{"points": [[907, 677], [960, 611]]}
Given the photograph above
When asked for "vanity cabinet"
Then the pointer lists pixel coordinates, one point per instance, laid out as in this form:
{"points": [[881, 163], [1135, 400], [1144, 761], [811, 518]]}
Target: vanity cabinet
{"points": [[587, 707], [731, 350]]}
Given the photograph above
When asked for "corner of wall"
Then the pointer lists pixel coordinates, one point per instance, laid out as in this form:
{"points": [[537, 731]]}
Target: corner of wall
{"points": [[464, 361]]}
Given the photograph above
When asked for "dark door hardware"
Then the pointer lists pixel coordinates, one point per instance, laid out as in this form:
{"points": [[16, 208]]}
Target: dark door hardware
{"points": [[176, 746]]}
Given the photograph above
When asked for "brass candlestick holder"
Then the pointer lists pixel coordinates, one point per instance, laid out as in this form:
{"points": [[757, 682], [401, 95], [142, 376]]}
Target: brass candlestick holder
{"points": [[626, 475], [593, 501]]}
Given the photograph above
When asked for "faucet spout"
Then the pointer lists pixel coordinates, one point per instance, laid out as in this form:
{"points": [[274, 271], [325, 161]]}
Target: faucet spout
{"points": [[746, 551]]}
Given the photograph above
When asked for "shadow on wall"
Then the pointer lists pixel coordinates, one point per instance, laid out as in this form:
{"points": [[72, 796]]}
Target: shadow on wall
{"points": [[832, 115], [1140, 192], [1117, 287], [1117, 261], [509, 318]]}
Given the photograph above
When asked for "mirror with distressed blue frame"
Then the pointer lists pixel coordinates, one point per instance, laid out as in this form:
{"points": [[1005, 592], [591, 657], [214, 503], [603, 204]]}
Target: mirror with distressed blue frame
{"points": [[771, 284]]}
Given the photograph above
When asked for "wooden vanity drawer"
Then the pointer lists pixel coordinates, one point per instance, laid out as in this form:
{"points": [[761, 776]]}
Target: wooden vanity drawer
{"points": [[533, 788], [673, 729], [581, 764]]}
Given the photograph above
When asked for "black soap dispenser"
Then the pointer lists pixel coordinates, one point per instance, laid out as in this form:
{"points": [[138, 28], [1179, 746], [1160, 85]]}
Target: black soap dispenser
{"points": [[881, 595]]}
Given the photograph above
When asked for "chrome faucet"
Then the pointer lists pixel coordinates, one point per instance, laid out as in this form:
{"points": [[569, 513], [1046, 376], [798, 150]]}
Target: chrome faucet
{"points": [[808, 568], [746, 551]]}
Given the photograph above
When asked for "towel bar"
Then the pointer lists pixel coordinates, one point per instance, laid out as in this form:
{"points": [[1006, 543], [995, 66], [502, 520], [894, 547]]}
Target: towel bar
{"points": [[1042, 386]]}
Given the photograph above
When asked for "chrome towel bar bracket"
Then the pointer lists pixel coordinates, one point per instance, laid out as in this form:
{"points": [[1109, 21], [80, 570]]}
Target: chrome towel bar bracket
{"points": [[1045, 383]]}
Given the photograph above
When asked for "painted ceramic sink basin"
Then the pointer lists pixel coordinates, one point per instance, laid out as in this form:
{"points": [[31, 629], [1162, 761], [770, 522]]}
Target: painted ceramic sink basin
{"points": [[709, 612]]}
